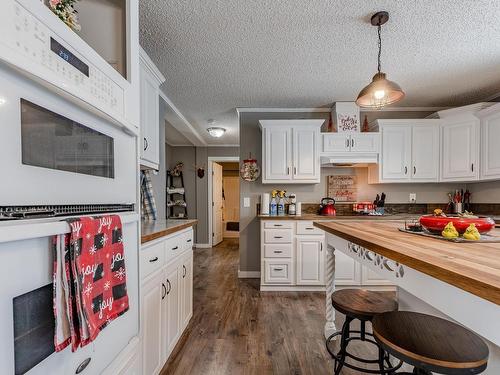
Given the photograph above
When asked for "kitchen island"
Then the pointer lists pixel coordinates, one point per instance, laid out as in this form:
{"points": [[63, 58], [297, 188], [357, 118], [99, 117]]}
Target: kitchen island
{"points": [[459, 281]]}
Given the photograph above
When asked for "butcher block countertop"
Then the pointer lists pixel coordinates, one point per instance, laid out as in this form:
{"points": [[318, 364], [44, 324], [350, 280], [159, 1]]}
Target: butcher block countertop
{"points": [[151, 230], [340, 217], [473, 267]]}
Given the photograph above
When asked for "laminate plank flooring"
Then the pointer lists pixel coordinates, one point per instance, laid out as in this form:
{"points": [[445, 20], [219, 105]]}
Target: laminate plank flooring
{"points": [[236, 329]]}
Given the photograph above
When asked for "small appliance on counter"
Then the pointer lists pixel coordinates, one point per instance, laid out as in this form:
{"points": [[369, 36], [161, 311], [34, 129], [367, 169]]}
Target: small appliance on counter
{"points": [[327, 207], [363, 207]]}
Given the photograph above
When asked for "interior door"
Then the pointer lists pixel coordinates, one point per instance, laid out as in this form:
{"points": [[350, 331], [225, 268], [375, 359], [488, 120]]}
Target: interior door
{"points": [[396, 152], [425, 153], [217, 205], [305, 153], [231, 199]]}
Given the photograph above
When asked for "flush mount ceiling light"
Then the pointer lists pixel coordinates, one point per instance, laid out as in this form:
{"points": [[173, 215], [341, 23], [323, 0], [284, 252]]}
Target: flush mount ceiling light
{"points": [[380, 92], [215, 131]]}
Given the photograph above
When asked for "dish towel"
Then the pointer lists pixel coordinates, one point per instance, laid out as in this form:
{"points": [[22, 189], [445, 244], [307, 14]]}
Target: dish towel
{"points": [[90, 288], [148, 204]]}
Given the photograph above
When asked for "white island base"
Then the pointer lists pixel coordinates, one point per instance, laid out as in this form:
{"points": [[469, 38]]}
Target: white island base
{"points": [[422, 293]]}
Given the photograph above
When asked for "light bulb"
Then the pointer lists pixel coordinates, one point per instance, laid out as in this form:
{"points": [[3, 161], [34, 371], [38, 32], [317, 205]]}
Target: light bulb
{"points": [[379, 94]]}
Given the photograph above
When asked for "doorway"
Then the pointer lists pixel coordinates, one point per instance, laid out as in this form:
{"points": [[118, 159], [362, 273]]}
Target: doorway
{"points": [[223, 199]]}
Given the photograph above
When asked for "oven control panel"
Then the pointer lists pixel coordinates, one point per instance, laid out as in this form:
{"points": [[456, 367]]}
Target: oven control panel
{"points": [[46, 55]]}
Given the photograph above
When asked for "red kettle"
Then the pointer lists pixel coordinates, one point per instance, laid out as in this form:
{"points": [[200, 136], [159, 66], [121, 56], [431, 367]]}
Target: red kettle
{"points": [[327, 207]]}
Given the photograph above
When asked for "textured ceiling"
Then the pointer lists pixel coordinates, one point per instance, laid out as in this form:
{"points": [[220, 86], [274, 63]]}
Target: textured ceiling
{"points": [[218, 55], [174, 137]]}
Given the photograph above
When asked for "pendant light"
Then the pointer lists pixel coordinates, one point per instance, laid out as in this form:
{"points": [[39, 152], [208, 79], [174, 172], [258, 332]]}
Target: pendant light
{"points": [[380, 92]]}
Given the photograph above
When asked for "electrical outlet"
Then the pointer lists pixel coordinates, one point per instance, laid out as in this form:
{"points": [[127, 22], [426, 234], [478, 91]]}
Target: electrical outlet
{"points": [[413, 197], [246, 202]]}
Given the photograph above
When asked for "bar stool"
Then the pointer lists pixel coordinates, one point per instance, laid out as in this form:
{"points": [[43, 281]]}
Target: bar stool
{"points": [[362, 305], [430, 344]]}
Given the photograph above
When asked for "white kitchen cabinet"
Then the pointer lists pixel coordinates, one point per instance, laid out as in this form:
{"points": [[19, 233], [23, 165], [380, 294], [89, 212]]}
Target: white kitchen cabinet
{"points": [[351, 142], [347, 270], [166, 296], [460, 149], [409, 151], [396, 152], [170, 310], [490, 148], [290, 151], [306, 164], [310, 260], [278, 151], [186, 288], [152, 292], [425, 153], [150, 81]]}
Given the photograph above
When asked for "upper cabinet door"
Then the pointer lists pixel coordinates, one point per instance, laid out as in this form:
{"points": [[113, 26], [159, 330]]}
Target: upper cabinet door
{"points": [[396, 153], [306, 165], [277, 154], [425, 153], [459, 150], [365, 142], [336, 142], [490, 135], [150, 126]]}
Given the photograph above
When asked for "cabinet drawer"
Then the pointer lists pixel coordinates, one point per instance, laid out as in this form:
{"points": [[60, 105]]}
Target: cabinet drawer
{"points": [[174, 246], [278, 224], [152, 258], [187, 240], [277, 271], [277, 235], [307, 227], [278, 251]]}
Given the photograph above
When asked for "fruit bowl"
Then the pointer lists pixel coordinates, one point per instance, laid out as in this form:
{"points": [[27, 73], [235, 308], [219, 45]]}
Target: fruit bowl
{"points": [[436, 224]]}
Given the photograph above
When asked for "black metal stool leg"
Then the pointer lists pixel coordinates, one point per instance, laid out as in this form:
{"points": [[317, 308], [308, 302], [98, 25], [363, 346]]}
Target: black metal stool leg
{"points": [[343, 345], [381, 358]]}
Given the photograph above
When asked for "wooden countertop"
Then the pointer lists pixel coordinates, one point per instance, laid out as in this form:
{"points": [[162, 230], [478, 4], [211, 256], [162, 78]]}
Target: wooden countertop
{"points": [[151, 230], [340, 217], [473, 267]]}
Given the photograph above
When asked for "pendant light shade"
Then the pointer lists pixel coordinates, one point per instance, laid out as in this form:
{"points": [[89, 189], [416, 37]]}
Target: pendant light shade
{"points": [[380, 92]]}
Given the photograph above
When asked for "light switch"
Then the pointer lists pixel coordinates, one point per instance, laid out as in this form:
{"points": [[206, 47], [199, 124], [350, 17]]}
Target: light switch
{"points": [[246, 202]]}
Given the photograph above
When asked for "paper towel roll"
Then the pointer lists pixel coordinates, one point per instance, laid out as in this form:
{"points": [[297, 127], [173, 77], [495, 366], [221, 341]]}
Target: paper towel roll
{"points": [[298, 209], [264, 204]]}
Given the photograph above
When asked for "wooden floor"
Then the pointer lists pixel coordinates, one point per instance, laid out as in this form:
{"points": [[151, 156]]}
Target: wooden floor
{"points": [[235, 329]]}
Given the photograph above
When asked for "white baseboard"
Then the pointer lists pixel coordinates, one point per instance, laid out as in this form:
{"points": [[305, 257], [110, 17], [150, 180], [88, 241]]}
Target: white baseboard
{"points": [[202, 245], [248, 274], [291, 288]]}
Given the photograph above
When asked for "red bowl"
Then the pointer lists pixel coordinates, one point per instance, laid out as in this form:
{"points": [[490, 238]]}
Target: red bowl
{"points": [[436, 224]]}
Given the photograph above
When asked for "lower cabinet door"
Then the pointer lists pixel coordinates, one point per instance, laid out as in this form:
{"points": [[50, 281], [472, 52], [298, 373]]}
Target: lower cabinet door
{"points": [[310, 261], [278, 271], [152, 292], [369, 277], [347, 270], [171, 311], [186, 277]]}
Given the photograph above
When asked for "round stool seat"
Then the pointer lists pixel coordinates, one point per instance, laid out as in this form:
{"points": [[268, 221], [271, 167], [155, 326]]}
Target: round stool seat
{"points": [[363, 304], [430, 343]]}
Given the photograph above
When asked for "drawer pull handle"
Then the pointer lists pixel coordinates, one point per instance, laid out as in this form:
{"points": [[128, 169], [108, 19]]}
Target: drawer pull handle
{"points": [[278, 269], [153, 260], [169, 287], [278, 237], [278, 251], [310, 228], [185, 271], [278, 225], [164, 291], [175, 248], [189, 240], [82, 366]]}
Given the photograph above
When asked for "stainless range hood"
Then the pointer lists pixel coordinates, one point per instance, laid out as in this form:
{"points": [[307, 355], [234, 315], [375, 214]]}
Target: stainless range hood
{"points": [[348, 159]]}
